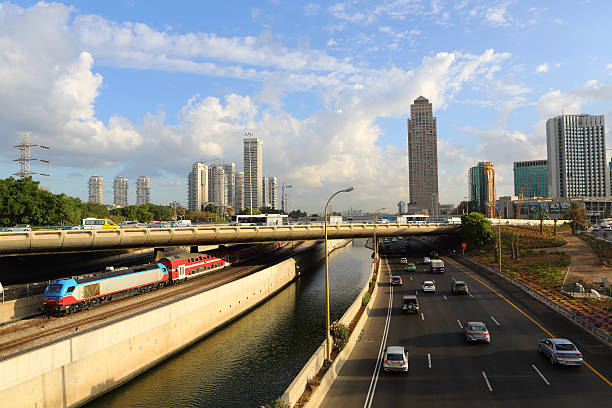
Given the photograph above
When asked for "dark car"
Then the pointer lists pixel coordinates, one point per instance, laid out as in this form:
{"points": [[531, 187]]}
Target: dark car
{"points": [[460, 288], [410, 304]]}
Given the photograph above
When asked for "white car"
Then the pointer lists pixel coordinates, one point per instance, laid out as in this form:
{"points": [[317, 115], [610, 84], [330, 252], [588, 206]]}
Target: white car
{"points": [[403, 260], [426, 260], [396, 359], [429, 286], [560, 351]]}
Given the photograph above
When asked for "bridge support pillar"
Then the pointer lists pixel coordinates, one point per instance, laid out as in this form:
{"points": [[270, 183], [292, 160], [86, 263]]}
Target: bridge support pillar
{"points": [[194, 249], [159, 253]]}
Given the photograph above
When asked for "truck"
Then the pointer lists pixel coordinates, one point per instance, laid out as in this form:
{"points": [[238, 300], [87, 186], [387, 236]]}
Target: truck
{"points": [[410, 304], [436, 266]]}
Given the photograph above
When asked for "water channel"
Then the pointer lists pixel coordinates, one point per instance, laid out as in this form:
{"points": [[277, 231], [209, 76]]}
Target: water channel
{"points": [[251, 361]]}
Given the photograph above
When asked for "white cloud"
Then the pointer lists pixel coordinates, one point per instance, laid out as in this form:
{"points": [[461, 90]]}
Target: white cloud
{"points": [[542, 68], [497, 15]]}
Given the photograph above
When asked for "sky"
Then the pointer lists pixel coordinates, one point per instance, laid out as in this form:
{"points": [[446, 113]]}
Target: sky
{"points": [[147, 88]]}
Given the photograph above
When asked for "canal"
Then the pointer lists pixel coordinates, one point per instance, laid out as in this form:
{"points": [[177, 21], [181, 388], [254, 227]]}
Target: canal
{"points": [[251, 361]]}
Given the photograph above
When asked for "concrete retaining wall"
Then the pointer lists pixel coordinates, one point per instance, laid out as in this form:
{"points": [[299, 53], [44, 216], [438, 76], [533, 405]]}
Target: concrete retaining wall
{"points": [[20, 308], [314, 364]]}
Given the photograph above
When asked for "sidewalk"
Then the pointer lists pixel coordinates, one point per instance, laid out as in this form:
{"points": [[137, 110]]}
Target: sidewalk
{"points": [[585, 264]]}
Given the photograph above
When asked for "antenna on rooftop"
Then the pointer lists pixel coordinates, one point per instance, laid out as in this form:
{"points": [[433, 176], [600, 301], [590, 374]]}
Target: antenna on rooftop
{"points": [[25, 157]]}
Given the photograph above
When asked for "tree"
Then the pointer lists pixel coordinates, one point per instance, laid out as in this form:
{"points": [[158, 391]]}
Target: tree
{"points": [[297, 214], [577, 215], [542, 215], [476, 229], [247, 211], [270, 210]]}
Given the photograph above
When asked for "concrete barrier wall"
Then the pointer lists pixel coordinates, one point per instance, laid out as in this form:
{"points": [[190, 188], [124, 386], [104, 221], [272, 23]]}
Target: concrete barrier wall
{"points": [[20, 308]]}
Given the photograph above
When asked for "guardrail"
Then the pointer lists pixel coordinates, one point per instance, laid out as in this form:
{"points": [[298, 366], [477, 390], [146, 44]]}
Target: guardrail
{"points": [[572, 316]]}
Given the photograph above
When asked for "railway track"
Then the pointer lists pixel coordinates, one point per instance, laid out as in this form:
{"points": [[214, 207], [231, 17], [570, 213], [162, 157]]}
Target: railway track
{"points": [[121, 306]]}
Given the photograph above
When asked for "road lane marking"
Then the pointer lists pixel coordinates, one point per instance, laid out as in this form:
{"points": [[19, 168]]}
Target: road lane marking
{"points": [[422, 316], [472, 296], [487, 381], [410, 277], [383, 343], [429, 360], [527, 316], [444, 297], [496, 322], [541, 375], [460, 325]]}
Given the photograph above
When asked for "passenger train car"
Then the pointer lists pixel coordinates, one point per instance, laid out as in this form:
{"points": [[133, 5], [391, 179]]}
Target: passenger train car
{"points": [[68, 295]]}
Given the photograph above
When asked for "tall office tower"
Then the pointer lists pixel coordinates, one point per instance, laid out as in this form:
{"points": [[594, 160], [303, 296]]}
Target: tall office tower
{"points": [[534, 175], [270, 192], [576, 149], [230, 175], [238, 191], [423, 156], [96, 188], [482, 188], [120, 191], [143, 190], [610, 168], [402, 207], [253, 175], [217, 185], [197, 183]]}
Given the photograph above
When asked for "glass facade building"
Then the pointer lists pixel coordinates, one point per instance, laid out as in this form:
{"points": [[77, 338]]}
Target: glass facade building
{"points": [[534, 175], [481, 186]]}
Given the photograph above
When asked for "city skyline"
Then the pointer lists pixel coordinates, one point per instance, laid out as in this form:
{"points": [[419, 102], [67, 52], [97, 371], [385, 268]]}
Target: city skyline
{"points": [[127, 89]]}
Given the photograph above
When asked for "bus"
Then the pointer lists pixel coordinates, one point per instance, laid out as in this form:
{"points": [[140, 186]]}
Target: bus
{"points": [[98, 223], [417, 219], [260, 219]]}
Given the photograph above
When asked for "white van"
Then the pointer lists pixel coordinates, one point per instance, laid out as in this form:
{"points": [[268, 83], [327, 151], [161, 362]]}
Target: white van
{"points": [[98, 223], [182, 223]]}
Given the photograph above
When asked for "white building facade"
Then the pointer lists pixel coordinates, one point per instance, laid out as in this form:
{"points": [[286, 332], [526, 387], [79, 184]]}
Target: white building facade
{"points": [[197, 182], [143, 190], [120, 191], [96, 189], [253, 172]]}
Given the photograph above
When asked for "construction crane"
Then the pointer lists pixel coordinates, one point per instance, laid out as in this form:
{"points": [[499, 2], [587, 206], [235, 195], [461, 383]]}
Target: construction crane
{"points": [[520, 201], [25, 158]]}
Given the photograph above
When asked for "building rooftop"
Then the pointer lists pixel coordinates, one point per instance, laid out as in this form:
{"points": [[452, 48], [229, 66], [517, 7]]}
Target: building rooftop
{"points": [[421, 99]]}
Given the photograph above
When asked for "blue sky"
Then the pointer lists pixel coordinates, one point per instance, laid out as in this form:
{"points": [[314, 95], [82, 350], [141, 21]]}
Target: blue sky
{"points": [[144, 88]]}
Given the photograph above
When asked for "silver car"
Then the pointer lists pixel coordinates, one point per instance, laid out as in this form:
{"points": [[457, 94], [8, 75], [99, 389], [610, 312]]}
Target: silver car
{"points": [[560, 351], [476, 332], [396, 359]]}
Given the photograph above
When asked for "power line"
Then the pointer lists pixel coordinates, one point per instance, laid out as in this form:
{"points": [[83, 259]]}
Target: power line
{"points": [[25, 157]]}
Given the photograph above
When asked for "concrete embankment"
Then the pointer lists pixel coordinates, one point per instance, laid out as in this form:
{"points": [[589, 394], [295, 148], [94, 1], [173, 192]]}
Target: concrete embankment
{"points": [[71, 371]]}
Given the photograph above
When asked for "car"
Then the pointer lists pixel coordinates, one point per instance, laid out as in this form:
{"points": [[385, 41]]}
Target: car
{"points": [[396, 280], [410, 267], [410, 304], [130, 224], [396, 359], [403, 261], [20, 227], [158, 224], [433, 254], [560, 351], [460, 287], [429, 286], [476, 332], [426, 260]]}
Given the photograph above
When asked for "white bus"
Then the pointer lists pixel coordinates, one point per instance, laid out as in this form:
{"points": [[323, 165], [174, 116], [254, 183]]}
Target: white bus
{"points": [[417, 219], [260, 219]]}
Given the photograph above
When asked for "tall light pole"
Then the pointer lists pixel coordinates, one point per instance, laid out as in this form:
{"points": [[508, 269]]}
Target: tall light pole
{"points": [[375, 244], [327, 325]]}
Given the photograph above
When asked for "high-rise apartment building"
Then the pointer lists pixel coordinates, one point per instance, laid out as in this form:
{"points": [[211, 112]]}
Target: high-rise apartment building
{"points": [[482, 188], [230, 175], [533, 174], [253, 173], [576, 149], [120, 191], [143, 190], [217, 185], [238, 191], [423, 156], [197, 182], [402, 207], [96, 189], [270, 192]]}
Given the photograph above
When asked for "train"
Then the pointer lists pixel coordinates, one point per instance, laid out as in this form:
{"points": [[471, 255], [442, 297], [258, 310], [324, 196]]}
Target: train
{"points": [[69, 295]]}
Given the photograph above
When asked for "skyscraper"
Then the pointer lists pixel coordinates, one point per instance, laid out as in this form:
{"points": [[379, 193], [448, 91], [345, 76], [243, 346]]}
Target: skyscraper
{"points": [[423, 156], [482, 188], [96, 189], [217, 185], [253, 174], [120, 191], [576, 149], [143, 190], [230, 175], [238, 191], [197, 182], [534, 175], [270, 192]]}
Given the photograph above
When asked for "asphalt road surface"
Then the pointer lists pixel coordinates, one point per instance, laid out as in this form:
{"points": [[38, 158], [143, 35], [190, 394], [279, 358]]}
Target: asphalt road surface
{"points": [[446, 371]]}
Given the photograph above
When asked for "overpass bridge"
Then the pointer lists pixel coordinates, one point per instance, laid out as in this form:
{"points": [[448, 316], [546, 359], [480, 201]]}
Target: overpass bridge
{"points": [[57, 241]]}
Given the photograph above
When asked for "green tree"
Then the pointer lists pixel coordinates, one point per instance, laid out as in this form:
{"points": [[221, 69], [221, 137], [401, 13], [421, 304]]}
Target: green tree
{"points": [[94, 210], [577, 215], [247, 211], [269, 210], [476, 229], [297, 214]]}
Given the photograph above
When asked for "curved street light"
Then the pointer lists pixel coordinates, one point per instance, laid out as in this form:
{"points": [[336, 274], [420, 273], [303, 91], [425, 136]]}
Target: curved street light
{"points": [[327, 325]]}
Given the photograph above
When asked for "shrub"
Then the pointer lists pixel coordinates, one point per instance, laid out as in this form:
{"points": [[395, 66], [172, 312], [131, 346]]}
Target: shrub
{"points": [[372, 285], [366, 299], [340, 334], [278, 403]]}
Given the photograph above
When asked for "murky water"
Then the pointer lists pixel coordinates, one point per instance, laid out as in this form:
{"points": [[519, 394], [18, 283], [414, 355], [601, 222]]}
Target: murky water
{"points": [[251, 361]]}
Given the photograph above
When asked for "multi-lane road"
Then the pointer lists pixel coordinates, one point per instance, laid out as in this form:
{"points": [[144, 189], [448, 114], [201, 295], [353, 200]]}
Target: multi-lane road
{"points": [[446, 371]]}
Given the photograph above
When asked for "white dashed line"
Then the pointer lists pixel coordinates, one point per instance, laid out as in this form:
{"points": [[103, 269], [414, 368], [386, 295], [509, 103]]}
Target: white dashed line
{"points": [[422, 316], [487, 381], [496, 322], [444, 297], [411, 277], [429, 361], [538, 371], [460, 325], [472, 296]]}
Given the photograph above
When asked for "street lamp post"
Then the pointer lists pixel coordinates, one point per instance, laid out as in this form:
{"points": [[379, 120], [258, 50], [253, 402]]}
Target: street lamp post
{"points": [[374, 242], [327, 324]]}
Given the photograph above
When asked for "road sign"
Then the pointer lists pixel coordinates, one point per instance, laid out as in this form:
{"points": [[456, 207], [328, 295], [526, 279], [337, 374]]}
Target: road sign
{"points": [[463, 245]]}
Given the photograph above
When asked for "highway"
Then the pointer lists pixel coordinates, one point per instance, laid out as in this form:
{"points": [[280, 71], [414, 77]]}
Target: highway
{"points": [[446, 371]]}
